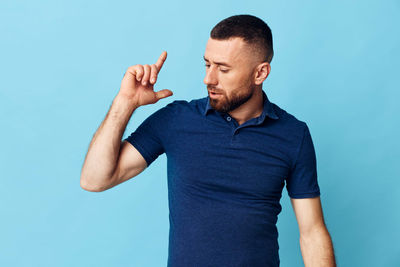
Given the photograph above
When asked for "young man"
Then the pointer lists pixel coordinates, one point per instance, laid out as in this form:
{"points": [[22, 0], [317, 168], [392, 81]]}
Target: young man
{"points": [[229, 156]]}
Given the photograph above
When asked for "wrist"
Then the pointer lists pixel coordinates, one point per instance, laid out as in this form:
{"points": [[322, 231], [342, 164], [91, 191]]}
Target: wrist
{"points": [[126, 101]]}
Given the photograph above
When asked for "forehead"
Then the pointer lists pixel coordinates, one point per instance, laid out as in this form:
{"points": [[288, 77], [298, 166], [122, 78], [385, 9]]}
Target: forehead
{"points": [[233, 50]]}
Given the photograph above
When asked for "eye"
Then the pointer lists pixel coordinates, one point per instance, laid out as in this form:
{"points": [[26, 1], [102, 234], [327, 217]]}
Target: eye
{"points": [[207, 65], [224, 70]]}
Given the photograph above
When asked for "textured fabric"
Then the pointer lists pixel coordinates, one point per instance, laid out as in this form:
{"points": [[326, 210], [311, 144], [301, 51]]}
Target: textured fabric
{"points": [[225, 180]]}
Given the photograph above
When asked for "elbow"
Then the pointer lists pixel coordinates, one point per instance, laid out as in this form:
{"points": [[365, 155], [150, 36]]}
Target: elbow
{"points": [[86, 185], [314, 232]]}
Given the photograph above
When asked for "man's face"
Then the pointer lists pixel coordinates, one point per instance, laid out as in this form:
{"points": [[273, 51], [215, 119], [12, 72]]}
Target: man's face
{"points": [[230, 66]]}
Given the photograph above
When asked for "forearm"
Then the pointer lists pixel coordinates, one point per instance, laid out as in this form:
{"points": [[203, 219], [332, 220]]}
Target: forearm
{"points": [[101, 158], [317, 249]]}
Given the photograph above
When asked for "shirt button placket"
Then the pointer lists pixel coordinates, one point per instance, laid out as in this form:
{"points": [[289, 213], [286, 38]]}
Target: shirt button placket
{"points": [[229, 119]]}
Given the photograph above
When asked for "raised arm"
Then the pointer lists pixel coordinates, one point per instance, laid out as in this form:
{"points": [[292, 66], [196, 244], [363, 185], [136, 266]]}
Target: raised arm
{"points": [[109, 161]]}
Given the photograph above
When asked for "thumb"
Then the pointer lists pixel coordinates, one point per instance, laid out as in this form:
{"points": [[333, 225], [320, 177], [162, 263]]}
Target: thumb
{"points": [[163, 94]]}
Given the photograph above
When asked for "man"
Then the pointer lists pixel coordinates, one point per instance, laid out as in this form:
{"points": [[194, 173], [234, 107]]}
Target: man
{"points": [[229, 156]]}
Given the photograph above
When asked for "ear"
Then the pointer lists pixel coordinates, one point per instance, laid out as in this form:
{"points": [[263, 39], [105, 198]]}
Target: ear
{"points": [[262, 72]]}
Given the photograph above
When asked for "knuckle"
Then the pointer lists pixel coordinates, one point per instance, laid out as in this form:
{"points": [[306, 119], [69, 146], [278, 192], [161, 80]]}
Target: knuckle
{"points": [[137, 69], [148, 70]]}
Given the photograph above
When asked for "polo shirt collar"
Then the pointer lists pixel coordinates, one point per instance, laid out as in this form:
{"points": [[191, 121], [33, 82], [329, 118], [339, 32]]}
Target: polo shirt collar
{"points": [[268, 109]]}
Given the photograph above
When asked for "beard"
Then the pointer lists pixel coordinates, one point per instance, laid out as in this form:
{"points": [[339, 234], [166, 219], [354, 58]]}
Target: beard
{"points": [[224, 104]]}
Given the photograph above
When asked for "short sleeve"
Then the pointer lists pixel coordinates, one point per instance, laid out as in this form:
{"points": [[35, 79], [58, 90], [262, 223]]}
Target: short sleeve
{"points": [[149, 137], [302, 180]]}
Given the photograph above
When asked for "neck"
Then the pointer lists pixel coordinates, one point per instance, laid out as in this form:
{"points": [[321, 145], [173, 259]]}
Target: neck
{"points": [[251, 109]]}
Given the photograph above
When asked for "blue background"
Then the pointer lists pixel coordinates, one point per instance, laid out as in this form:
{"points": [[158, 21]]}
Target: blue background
{"points": [[61, 65]]}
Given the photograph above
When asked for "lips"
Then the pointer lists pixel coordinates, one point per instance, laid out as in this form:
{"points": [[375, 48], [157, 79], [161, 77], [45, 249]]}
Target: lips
{"points": [[214, 93]]}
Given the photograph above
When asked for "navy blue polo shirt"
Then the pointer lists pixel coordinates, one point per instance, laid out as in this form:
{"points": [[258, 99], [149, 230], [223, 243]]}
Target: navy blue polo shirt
{"points": [[225, 180]]}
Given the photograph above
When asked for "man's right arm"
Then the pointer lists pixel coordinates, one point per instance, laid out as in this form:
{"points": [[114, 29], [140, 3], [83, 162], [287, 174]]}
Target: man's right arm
{"points": [[109, 161]]}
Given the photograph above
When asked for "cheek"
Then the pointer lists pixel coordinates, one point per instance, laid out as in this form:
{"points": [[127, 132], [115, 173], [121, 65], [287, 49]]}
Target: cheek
{"points": [[236, 80]]}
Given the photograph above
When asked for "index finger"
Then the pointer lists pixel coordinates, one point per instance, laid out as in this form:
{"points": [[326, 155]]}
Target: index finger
{"points": [[161, 60]]}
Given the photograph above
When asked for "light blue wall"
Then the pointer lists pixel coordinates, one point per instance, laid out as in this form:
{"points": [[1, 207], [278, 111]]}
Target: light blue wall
{"points": [[61, 64]]}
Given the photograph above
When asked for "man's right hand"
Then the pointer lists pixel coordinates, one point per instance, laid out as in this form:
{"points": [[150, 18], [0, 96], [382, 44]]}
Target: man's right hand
{"points": [[138, 81]]}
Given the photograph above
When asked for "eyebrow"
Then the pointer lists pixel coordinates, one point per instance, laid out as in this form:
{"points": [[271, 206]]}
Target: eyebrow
{"points": [[218, 63]]}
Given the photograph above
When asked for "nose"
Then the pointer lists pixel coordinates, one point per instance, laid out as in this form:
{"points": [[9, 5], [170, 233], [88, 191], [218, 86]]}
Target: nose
{"points": [[211, 77]]}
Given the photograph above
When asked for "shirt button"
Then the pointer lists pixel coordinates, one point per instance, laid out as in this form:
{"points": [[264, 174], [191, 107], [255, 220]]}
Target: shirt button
{"points": [[228, 118]]}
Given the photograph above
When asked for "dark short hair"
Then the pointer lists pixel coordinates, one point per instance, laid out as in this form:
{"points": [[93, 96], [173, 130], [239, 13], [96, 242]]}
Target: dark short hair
{"points": [[253, 30]]}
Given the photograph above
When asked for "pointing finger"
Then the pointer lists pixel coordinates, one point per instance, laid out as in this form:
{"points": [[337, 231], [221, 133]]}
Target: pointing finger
{"points": [[161, 60]]}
